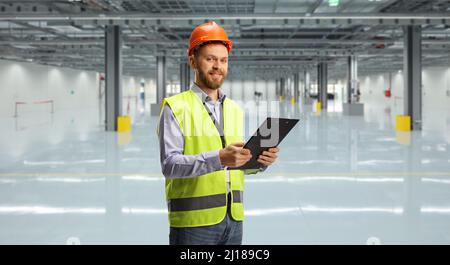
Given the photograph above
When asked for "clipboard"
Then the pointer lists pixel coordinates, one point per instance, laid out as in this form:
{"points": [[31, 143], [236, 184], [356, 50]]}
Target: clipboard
{"points": [[270, 134]]}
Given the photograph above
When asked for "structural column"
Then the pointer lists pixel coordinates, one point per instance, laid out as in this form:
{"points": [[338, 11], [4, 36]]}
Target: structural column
{"points": [[161, 75], [277, 88], [322, 79], [288, 90], [184, 76], [352, 106], [352, 81], [188, 75], [306, 95], [296, 87], [413, 75], [307, 83], [113, 70], [160, 84]]}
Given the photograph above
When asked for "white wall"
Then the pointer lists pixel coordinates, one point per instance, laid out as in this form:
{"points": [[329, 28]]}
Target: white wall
{"points": [[236, 89], [436, 85], [435, 81], [435, 100], [261, 87], [131, 88], [226, 88], [243, 90], [340, 88], [31, 82], [271, 91], [68, 88]]}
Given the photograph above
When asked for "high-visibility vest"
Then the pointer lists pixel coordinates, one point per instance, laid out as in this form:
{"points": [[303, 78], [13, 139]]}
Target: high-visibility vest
{"points": [[202, 200]]}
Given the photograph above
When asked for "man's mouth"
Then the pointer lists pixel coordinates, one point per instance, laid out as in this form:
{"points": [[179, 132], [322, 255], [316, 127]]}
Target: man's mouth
{"points": [[215, 74]]}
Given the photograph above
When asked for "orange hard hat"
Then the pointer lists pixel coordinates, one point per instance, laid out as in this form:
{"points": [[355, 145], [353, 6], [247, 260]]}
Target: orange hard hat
{"points": [[208, 31]]}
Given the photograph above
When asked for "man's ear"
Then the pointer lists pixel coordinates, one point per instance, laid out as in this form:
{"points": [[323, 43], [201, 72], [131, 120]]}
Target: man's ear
{"points": [[192, 62]]}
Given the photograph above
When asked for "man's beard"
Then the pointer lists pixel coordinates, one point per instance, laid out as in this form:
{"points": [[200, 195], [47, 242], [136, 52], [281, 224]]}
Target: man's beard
{"points": [[211, 83]]}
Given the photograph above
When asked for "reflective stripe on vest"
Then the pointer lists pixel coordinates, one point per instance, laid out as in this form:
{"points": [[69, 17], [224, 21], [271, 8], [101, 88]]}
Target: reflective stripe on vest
{"points": [[204, 202], [238, 196]]}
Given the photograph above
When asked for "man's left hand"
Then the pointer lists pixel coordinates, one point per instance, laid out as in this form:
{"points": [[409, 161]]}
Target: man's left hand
{"points": [[267, 158]]}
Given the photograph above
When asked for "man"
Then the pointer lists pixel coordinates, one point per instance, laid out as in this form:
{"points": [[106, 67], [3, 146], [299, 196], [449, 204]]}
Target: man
{"points": [[201, 133]]}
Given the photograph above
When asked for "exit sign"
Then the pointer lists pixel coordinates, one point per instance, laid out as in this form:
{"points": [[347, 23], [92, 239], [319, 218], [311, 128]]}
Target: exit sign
{"points": [[333, 2]]}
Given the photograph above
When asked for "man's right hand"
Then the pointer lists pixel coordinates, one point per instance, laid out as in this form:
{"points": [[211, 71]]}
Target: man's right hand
{"points": [[234, 155]]}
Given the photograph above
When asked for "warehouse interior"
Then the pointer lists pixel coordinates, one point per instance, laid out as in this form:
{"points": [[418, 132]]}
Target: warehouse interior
{"points": [[350, 70]]}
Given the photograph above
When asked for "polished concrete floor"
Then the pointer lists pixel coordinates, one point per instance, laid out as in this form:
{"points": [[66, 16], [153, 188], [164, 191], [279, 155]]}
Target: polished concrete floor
{"points": [[338, 180]]}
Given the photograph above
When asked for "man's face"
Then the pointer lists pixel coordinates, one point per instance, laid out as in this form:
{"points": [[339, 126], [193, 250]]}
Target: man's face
{"points": [[211, 65]]}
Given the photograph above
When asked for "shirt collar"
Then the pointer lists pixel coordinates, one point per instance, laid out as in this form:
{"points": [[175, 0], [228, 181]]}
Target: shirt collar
{"points": [[205, 98]]}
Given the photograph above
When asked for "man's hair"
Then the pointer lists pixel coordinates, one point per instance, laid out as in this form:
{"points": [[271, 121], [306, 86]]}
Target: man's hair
{"points": [[197, 48]]}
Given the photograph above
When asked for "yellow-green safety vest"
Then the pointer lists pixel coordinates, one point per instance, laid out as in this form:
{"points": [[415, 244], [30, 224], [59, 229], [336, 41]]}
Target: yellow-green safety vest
{"points": [[202, 200]]}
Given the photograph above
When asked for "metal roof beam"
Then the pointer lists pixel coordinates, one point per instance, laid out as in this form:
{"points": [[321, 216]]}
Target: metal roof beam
{"points": [[192, 19], [236, 42]]}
